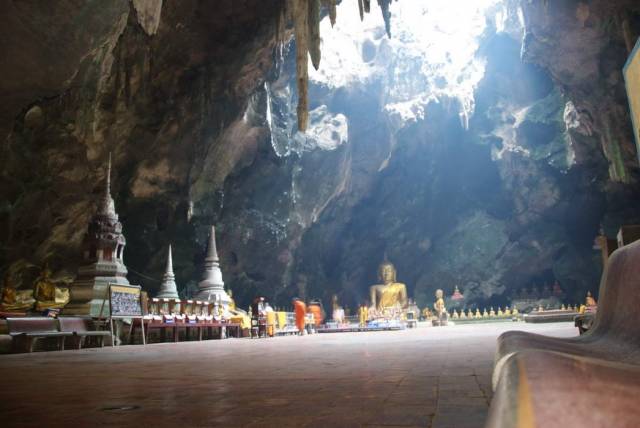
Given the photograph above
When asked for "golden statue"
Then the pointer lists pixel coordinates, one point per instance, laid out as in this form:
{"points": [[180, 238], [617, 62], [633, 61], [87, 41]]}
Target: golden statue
{"points": [[590, 301], [14, 300], [390, 293], [232, 303], [363, 315], [478, 314], [438, 305], [492, 313], [47, 295], [440, 311], [426, 313], [500, 312]]}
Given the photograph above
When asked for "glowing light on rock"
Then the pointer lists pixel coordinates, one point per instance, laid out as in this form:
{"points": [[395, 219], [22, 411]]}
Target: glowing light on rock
{"points": [[431, 56]]}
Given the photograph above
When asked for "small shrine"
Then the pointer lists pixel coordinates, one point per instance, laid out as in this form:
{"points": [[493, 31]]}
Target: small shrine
{"points": [[456, 300], [103, 250], [168, 288], [211, 288], [457, 295]]}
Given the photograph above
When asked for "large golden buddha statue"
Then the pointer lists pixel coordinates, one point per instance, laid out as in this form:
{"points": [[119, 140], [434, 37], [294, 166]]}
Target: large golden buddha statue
{"points": [[389, 294]]}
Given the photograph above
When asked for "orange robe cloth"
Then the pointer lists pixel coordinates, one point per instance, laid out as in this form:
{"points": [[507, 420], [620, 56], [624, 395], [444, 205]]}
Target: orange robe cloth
{"points": [[301, 311], [316, 310]]}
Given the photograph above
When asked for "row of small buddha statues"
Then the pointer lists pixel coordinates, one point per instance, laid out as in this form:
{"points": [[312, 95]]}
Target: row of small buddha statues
{"points": [[491, 313], [389, 300], [590, 304]]}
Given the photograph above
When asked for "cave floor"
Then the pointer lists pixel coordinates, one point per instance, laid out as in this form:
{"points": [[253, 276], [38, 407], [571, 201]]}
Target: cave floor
{"points": [[429, 377]]}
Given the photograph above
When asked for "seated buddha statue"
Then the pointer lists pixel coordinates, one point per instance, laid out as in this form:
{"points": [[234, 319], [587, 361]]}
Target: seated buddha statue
{"points": [[14, 300], [390, 293], [47, 295]]}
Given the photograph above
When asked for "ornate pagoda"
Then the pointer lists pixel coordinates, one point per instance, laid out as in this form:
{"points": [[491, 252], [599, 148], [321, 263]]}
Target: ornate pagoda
{"points": [[168, 288], [103, 249], [212, 286]]}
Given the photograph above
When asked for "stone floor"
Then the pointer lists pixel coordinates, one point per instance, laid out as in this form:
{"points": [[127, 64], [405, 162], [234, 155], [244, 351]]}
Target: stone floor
{"points": [[428, 377]]}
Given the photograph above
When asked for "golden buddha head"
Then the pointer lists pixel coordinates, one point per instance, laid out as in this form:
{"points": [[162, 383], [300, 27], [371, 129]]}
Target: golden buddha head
{"points": [[45, 273], [387, 272]]}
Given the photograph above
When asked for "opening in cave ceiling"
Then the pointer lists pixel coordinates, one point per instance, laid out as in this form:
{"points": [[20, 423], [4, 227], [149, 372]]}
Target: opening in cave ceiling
{"points": [[434, 43]]}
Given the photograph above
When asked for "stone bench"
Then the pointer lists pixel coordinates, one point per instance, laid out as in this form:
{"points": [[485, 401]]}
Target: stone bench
{"points": [[27, 331], [615, 334], [549, 389], [82, 329], [530, 368]]}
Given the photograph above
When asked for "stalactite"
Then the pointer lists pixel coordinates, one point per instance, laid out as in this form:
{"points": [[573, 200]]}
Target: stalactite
{"points": [[305, 15], [301, 25], [331, 5], [333, 13], [386, 15], [314, 31]]}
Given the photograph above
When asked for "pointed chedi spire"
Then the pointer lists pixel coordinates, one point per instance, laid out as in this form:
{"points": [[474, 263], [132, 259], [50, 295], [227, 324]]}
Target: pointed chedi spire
{"points": [[168, 288], [169, 262], [108, 187], [212, 251], [106, 206], [212, 286]]}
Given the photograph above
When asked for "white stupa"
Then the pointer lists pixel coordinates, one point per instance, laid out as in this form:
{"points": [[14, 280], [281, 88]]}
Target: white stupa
{"points": [[212, 286], [168, 288]]}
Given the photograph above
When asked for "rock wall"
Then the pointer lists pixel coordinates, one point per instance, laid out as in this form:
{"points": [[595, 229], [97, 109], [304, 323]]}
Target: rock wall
{"points": [[163, 86], [499, 185]]}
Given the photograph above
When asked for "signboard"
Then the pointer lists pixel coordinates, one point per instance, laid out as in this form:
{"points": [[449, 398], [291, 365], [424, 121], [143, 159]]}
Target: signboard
{"points": [[124, 300], [631, 73]]}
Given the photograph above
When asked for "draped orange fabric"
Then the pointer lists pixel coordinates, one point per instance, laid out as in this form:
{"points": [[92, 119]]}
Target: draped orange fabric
{"points": [[316, 310], [301, 310]]}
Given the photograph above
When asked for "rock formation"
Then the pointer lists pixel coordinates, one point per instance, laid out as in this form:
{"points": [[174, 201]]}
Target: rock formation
{"points": [[502, 183]]}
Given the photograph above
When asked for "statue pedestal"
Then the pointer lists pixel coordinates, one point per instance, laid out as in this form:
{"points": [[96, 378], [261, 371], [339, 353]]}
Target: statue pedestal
{"points": [[441, 320], [212, 295], [89, 293]]}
